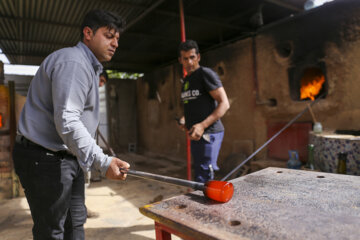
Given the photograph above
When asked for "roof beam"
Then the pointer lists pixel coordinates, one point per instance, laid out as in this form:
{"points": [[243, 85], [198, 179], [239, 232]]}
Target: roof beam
{"points": [[123, 66], [120, 3], [131, 23], [22, 54], [76, 27], [163, 37], [144, 14], [166, 13], [44, 54], [286, 5], [170, 38], [53, 44], [19, 58], [38, 21], [198, 19]]}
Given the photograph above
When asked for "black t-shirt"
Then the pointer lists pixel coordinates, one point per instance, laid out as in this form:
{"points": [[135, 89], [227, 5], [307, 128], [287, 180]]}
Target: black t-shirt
{"points": [[198, 103]]}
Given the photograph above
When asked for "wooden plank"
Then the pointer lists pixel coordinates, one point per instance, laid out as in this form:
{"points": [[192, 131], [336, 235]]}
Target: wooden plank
{"points": [[274, 203]]}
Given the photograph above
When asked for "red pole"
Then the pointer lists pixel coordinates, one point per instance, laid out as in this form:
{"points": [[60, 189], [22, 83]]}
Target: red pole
{"points": [[183, 38], [182, 21]]}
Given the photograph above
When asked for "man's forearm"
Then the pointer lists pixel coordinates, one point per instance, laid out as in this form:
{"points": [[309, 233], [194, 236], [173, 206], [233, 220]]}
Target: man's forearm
{"points": [[219, 111], [219, 95]]}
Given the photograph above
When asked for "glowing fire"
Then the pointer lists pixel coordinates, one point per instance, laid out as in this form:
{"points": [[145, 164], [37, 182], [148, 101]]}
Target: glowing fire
{"points": [[311, 83], [1, 121]]}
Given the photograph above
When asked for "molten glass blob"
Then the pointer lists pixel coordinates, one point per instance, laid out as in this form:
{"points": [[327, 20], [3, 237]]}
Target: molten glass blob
{"points": [[219, 190]]}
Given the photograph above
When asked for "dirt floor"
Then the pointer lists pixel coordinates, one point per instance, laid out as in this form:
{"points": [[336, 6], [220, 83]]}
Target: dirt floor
{"points": [[117, 203]]}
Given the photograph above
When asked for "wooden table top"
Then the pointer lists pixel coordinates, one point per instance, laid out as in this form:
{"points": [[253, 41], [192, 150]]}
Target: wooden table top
{"points": [[274, 203]]}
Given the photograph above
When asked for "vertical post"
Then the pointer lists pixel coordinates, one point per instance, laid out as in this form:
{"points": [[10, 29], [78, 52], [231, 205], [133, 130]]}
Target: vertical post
{"points": [[12, 113], [182, 23], [183, 38], [15, 180]]}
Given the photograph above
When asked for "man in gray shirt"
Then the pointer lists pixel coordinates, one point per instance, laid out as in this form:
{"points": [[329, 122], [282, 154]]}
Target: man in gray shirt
{"points": [[55, 141]]}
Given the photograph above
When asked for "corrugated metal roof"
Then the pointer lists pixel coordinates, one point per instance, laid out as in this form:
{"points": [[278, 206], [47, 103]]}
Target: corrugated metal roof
{"points": [[32, 29]]}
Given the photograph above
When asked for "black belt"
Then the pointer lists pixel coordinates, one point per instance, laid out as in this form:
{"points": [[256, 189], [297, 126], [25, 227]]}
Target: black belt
{"points": [[27, 143]]}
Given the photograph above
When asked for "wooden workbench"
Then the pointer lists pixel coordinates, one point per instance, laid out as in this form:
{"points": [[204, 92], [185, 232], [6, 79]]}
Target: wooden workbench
{"points": [[274, 203]]}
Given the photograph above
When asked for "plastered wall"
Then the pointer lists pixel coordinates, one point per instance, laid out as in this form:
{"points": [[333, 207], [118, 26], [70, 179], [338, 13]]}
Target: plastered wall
{"points": [[251, 78]]}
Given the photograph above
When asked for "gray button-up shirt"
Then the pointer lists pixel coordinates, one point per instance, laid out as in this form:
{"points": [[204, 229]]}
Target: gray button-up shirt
{"points": [[62, 107]]}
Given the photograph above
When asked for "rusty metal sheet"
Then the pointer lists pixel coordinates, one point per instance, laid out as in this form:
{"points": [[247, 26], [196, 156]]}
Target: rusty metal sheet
{"points": [[274, 203]]}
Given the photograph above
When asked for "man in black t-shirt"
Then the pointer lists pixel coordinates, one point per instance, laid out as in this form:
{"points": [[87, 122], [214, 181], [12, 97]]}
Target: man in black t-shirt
{"points": [[205, 102]]}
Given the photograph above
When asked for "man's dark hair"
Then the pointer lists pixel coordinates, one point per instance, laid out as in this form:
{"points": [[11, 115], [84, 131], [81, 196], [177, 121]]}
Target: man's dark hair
{"points": [[104, 73], [96, 19], [188, 45]]}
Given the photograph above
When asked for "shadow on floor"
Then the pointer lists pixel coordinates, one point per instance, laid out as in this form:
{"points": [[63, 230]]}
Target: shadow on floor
{"points": [[133, 233]]}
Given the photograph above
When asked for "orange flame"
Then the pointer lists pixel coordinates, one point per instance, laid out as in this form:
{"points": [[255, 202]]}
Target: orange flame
{"points": [[1, 121], [311, 83]]}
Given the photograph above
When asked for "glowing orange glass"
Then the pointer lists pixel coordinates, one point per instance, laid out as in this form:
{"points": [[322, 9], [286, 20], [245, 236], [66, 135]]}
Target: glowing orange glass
{"points": [[219, 190]]}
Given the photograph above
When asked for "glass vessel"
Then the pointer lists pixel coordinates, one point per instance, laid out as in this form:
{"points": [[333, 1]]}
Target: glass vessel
{"points": [[342, 163], [294, 162], [310, 161]]}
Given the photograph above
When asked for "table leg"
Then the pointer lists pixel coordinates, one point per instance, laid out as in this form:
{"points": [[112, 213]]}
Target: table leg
{"points": [[161, 233]]}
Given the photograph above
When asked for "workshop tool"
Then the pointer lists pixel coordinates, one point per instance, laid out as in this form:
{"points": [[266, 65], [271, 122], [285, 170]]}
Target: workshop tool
{"points": [[219, 191], [272, 138]]}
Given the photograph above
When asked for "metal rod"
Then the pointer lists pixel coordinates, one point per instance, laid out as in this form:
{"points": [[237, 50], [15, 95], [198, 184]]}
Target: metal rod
{"points": [[312, 114], [183, 39], [272, 138], [166, 179], [182, 21], [161, 178]]}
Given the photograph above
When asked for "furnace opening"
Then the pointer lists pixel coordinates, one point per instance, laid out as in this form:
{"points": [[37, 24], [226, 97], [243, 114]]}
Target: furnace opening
{"points": [[307, 82], [311, 83]]}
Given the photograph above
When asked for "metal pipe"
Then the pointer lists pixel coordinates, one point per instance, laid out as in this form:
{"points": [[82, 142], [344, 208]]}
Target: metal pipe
{"points": [[182, 21], [215, 190], [166, 179], [161, 178], [183, 38], [271, 139]]}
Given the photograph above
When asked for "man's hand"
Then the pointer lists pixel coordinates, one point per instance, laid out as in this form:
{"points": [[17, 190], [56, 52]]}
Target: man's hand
{"points": [[181, 123], [196, 132], [114, 172]]}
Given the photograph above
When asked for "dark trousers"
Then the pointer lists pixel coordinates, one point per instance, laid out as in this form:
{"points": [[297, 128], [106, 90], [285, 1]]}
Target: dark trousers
{"points": [[205, 153], [54, 188]]}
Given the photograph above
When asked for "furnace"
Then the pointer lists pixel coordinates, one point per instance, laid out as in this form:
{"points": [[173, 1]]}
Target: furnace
{"points": [[308, 81]]}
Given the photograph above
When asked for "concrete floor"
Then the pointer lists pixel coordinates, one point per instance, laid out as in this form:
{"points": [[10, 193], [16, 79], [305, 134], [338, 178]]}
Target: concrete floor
{"points": [[117, 203]]}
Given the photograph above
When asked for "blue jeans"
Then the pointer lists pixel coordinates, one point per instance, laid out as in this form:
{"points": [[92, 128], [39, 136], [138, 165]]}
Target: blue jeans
{"points": [[205, 153], [54, 188]]}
